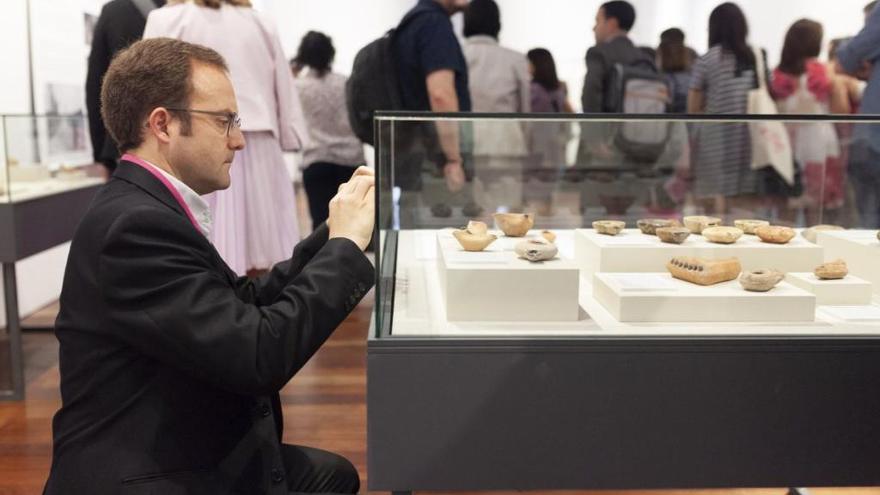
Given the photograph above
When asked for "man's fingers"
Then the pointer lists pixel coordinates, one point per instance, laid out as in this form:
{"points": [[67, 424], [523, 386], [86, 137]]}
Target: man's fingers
{"points": [[360, 186], [361, 171]]}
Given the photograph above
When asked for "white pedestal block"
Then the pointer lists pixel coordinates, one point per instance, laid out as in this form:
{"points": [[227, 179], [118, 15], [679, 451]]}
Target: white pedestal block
{"points": [[859, 248], [659, 298], [633, 252], [849, 291], [496, 285]]}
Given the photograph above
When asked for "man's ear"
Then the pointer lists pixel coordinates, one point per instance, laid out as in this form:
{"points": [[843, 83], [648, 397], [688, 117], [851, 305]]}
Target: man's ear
{"points": [[158, 123]]}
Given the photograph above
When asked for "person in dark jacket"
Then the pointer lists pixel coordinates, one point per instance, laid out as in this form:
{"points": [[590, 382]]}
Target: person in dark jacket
{"points": [[170, 363], [121, 22]]}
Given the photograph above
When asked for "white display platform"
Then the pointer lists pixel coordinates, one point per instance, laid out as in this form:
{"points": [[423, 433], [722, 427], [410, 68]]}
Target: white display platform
{"points": [[420, 309], [496, 285], [859, 248], [849, 291], [658, 297], [26, 191], [632, 251]]}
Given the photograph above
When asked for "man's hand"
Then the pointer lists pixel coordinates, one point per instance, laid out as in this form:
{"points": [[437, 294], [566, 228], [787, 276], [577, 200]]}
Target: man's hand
{"points": [[454, 173], [352, 210]]}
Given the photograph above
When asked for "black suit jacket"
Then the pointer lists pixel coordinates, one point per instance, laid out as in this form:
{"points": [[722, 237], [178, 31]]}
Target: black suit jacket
{"points": [[170, 364], [119, 25]]}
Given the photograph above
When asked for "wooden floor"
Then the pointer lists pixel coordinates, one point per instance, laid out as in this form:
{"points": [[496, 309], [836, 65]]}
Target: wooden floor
{"points": [[324, 406]]}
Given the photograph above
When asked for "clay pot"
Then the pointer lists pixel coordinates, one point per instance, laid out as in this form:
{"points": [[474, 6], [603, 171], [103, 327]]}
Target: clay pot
{"points": [[649, 226], [775, 234], [477, 228], [697, 224], [750, 226], [441, 210], [514, 224], [704, 272], [549, 236], [722, 235], [834, 270], [673, 235], [473, 242], [536, 250], [609, 227], [811, 234], [760, 280]]}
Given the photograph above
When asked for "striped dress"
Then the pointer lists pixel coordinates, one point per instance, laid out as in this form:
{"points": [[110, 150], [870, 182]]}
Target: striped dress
{"points": [[723, 150]]}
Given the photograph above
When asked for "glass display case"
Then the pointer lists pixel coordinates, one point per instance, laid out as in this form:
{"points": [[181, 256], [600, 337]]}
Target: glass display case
{"points": [[43, 155], [44, 191], [599, 291]]}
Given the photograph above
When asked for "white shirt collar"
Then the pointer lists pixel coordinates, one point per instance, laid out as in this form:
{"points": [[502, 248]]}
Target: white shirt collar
{"points": [[197, 205]]}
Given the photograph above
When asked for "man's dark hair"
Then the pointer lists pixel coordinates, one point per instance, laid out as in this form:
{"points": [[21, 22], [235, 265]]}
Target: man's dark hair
{"points": [[623, 11], [149, 74], [482, 17], [870, 7], [316, 51]]}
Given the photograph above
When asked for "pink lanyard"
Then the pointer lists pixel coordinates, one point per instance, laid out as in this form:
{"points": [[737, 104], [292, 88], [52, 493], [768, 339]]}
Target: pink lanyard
{"points": [[168, 185]]}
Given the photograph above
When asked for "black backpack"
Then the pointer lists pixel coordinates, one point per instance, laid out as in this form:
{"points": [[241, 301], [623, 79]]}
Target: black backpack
{"points": [[372, 86], [639, 88]]}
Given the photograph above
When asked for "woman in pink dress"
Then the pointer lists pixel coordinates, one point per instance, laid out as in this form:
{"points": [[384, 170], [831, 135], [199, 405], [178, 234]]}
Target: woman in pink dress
{"points": [[255, 221], [803, 85]]}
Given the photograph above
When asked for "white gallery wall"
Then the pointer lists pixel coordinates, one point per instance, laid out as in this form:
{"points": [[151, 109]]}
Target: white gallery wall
{"points": [[60, 51]]}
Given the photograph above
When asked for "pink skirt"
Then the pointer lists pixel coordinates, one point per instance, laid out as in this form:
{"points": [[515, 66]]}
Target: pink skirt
{"points": [[255, 222]]}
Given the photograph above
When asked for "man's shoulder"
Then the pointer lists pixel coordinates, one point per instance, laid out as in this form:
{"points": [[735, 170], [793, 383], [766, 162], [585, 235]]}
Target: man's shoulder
{"points": [[120, 202]]}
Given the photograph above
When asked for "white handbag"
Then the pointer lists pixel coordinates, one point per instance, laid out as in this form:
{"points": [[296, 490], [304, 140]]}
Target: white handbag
{"points": [[771, 146]]}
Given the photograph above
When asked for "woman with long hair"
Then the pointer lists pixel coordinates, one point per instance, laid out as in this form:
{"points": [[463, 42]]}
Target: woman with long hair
{"points": [[254, 221], [720, 83], [803, 85], [547, 140]]}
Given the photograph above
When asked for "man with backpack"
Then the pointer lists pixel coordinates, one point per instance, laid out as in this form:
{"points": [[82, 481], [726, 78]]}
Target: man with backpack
{"points": [[621, 78], [418, 66]]}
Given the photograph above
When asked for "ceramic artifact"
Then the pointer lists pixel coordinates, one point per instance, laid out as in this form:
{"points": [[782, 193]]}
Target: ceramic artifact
{"points": [[441, 210], [750, 226], [697, 224], [775, 234], [704, 272], [475, 237], [549, 236], [609, 227], [536, 250], [649, 226], [514, 224], [722, 235], [834, 270], [477, 228], [760, 280], [811, 234], [673, 235], [878, 236]]}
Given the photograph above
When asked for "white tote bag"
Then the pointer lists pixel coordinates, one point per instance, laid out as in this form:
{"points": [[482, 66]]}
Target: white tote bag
{"points": [[771, 146]]}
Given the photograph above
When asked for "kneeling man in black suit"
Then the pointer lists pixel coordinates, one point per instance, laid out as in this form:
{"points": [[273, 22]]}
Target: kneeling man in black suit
{"points": [[170, 363]]}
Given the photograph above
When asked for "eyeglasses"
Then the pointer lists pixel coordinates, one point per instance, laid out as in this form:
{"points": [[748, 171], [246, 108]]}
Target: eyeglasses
{"points": [[233, 121]]}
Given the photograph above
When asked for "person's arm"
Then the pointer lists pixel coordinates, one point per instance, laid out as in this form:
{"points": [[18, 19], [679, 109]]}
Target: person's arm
{"points": [[99, 61], [839, 98], [696, 96], [292, 126], [443, 98], [166, 299], [594, 83], [696, 101], [863, 48]]}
